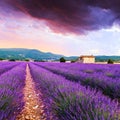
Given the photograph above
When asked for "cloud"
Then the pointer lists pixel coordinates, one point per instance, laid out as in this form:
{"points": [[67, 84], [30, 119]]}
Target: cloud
{"points": [[68, 16]]}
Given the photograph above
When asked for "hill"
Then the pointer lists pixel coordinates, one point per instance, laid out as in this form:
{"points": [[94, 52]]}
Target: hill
{"points": [[105, 58], [21, 54]]}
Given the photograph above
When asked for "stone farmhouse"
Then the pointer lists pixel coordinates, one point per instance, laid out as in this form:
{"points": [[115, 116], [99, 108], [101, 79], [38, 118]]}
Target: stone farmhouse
{"points": [[86, 59]]}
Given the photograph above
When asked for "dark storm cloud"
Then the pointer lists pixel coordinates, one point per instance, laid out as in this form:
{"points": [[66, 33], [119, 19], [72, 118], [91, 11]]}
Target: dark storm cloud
{"points": [[77, 16]]}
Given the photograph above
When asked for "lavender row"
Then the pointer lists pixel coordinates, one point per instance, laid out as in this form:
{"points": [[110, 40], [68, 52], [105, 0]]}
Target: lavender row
{"points": [[11, 95], [71, 101], [6, 66], [105, 78]]}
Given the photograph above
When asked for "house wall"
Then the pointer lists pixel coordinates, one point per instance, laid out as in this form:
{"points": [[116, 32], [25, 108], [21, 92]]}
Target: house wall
{"points": [[88, 60], [79, 60]]}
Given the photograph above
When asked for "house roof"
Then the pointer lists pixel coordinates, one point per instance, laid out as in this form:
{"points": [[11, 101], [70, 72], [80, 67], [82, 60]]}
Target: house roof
{"points": [[87, 56]]}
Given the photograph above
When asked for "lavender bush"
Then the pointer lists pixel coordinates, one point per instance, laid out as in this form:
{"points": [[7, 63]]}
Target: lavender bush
{"points": [[105, 78], [11, 95], [6, 66], [69, 100]]}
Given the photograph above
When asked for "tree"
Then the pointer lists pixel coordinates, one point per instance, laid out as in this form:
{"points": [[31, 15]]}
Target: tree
{"points": [[73, 61], [62, 59], [27, 60], [1, 59], [110, 61], [11, 59]]}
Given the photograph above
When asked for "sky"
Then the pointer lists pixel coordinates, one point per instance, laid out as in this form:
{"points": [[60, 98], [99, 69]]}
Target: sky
{"points": [[63, 27]]}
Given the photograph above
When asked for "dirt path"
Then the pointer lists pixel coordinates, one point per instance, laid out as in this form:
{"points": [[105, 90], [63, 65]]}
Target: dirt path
{"points": [[33, 109]]}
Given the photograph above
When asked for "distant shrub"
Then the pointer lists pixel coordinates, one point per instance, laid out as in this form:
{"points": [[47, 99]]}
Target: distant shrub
{"points": [[11, 59], [62, 59], [27, 60], [42, 61], [1, 59], [73, 61], [39, 61], [36, 60], [110, 61]]}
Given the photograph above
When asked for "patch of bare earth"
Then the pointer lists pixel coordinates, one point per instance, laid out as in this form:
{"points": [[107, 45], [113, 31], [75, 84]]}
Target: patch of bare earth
{"points": [[33, 109]]}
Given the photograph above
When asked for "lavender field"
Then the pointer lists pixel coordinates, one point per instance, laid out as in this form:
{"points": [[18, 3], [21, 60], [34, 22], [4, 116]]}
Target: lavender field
{"points": [[65, 91], [12, 81]]}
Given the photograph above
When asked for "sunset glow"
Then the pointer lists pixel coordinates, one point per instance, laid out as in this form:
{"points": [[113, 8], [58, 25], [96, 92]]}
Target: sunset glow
{"points": [[19, 29]]}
